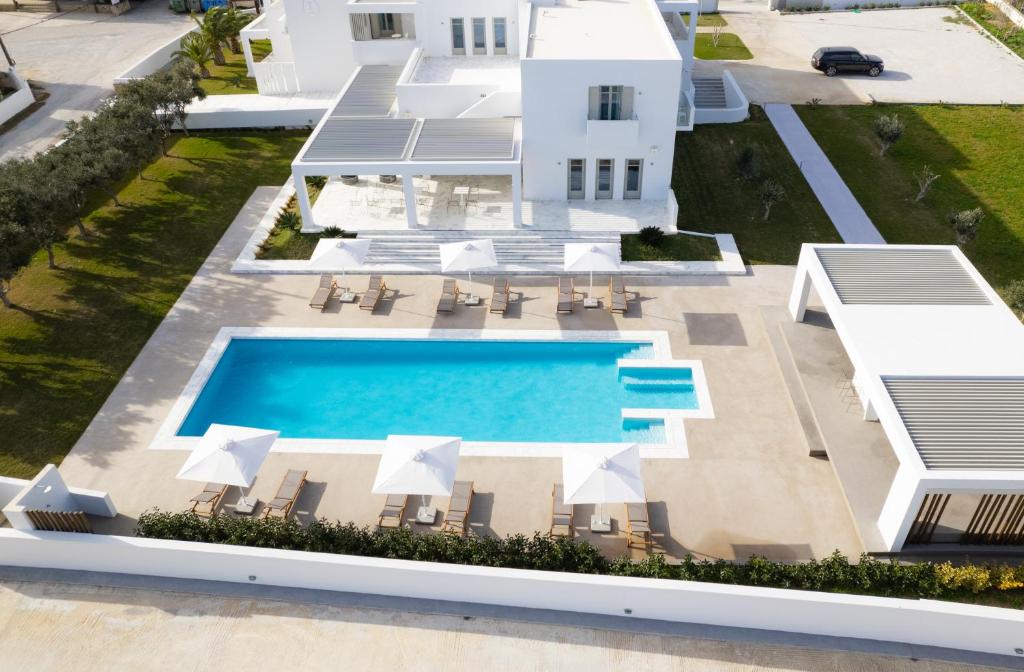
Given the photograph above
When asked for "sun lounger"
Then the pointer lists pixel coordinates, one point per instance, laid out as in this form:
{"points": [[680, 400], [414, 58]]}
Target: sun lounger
{"points": [[566, 294], [638, 525], [561, 513], [393, 512], [458, 509], [449, 296], [374, 292], [617, 302], [287, 494], [324, 292], [205, 503], [499, 296]]}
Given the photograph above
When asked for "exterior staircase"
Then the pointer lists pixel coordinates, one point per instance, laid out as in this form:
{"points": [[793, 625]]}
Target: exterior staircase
{"points": [[709, 93]]}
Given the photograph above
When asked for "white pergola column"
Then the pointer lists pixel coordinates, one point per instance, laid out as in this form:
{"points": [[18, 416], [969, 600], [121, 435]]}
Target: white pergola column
{"points": [[517, 198], [900, 508], [249, 61], [305, 207], [410, 201], [801, 292]]}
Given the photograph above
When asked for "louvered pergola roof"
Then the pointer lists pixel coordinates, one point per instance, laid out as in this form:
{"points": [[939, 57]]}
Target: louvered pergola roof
{"points": [[371, 92]]}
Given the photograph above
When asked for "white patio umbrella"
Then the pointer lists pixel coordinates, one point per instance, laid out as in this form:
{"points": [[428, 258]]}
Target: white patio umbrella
{"points": [[468, 255], [339, 254], [602, 475], [417, 465], [591, 257], [229, 455]]}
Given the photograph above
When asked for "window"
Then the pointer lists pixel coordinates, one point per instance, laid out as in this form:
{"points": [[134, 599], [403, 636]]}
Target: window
{"points": [[577, 179], [500, 36], [604, 178], [458, 37], [479, 36], [634, 177], [611, 103]]}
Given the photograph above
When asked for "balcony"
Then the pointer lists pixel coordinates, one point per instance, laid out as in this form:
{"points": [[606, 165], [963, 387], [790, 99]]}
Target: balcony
{"points": [[613, 132]]}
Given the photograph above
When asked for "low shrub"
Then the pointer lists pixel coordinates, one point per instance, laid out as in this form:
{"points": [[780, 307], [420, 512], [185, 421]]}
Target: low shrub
{"points": [[539, 552], [651, 235], [332, 232], [288, 220], [748, 162], [317, 181]]}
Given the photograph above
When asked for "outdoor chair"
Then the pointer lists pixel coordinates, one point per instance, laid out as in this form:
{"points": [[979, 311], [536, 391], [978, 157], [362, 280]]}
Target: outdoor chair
{"points": [[617, 301], [374, 292], [566, 294], [561, 514], [324, 292], [393, 512], [454, 203], [205, 503], [638, 525], [287, 494], [500, 296], [449, 296], [457, 517]]}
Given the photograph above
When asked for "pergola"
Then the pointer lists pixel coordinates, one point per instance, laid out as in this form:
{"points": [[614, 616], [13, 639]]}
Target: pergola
{"points": [[359, 136], [939, 363]]}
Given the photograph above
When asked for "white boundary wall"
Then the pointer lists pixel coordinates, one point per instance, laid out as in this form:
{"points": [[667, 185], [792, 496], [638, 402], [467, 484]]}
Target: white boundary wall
{"points": [[17, 101], [157, 59], [921, 622]]}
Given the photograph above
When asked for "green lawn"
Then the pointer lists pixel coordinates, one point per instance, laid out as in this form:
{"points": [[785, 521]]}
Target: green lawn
{"points": [[714, 199], [730, 48], [231, 78], [711, 20], [75, 330], [680, 247], [977, 151], [995, 22]]}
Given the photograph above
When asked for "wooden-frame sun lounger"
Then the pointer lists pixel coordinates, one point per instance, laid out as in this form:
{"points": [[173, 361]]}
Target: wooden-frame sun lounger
{"points": [[287, 494], [617, 302], [324, 292], [561, 514], [449, 296], [638, 525], [205, 503], [393, 512], [499, 296], [374, 292], [457, 516], [566, 294]]}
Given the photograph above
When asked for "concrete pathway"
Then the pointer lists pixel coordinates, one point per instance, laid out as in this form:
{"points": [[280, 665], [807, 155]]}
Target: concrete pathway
{"points": [[849, 218]]}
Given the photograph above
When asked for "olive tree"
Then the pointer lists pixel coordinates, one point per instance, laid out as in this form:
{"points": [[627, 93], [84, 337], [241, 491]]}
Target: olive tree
{"points": [[888, 128], [965, 224], [15, 252], [1014, 295], [771, 193]]}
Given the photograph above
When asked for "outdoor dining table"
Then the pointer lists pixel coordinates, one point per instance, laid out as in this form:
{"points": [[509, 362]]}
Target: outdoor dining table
{"points": [[462, 191]]}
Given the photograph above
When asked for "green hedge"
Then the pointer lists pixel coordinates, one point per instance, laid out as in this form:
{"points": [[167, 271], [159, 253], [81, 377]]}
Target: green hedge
{"points": [[832, 574]]}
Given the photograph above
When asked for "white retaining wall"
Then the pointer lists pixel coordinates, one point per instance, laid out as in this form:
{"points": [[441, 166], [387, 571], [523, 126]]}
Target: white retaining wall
{"points": [[1010, 11], [737, 107], [921, 622], [17, 101], [47, 491], [157, 59]]}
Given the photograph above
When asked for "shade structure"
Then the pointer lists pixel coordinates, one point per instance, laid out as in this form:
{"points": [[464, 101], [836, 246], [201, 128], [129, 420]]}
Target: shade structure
{"points": [[340, 254], [229, 455], [468, 255], [602, 475], [417, 465], [590, 257]]}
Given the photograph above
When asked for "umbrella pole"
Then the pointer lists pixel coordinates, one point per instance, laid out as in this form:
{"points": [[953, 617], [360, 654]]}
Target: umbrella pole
{"points": [[591, 283]]}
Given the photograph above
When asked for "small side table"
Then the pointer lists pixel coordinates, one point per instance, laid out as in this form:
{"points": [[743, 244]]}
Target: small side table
{"points": [[426, 515], [591, 302], [347, 297], [473, 300], [599, 524], [246, 505]]}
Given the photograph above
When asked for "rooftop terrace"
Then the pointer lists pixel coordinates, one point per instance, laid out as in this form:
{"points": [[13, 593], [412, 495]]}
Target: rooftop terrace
{"points": [[600, 29]]}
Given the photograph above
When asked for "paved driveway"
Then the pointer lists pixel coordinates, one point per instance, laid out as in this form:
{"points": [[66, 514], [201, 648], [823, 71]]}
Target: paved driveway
{"points": [[75, 56], [929, 57]]}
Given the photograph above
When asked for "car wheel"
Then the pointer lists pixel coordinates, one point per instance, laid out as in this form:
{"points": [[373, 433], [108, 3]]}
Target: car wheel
{"points": [[875, 71], [831, 71]]}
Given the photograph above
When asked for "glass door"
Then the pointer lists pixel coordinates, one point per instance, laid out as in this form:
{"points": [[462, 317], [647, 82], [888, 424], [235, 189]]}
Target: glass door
{"points": [[500, 36], [634, 175], [479, 37], [458, 37], [577, 179], [605, 168]]}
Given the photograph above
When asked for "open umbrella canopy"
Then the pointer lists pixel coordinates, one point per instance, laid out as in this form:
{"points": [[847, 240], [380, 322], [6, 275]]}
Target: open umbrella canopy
{"points": [[600, 475], [228, 455], [417, 465], [339, 254], [592, 257], [468, 255]]}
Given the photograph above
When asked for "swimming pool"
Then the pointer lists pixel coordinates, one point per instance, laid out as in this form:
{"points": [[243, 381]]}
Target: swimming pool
{"points": [[481, 390]]}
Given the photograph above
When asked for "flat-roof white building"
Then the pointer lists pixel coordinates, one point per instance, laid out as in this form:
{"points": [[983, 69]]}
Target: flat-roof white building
{"points": [[938, 361]]}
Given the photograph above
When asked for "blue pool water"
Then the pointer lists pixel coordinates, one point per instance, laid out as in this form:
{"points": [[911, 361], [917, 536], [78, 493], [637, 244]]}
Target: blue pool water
{"points": [[525, 391]]}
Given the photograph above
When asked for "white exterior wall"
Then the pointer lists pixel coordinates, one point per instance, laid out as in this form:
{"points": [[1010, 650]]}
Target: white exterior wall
{"points": [[321, 43], [555, 108], [435, 15]]}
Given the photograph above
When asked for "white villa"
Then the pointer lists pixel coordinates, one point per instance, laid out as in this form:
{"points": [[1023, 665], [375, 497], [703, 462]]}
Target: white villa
{"points": [[497, 114]]}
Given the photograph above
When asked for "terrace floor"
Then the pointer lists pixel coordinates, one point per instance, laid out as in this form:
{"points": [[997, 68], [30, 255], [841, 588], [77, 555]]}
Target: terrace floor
{"points": [[747, 487], [492, 70]]}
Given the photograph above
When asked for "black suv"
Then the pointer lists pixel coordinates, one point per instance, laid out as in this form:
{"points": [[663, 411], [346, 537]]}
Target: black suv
{"points": [[835, 60]]}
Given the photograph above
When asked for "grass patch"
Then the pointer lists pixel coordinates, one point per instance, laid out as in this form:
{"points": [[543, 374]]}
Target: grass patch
{"points": [[730, 48], [715, 199], [997, 23], [231, 78], [75, 330], [679, 247], [977, 151], [285, 243], [711, 20]]}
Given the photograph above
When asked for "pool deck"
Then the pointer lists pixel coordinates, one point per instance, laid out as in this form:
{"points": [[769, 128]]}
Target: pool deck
{"points": [[747, 487]]}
